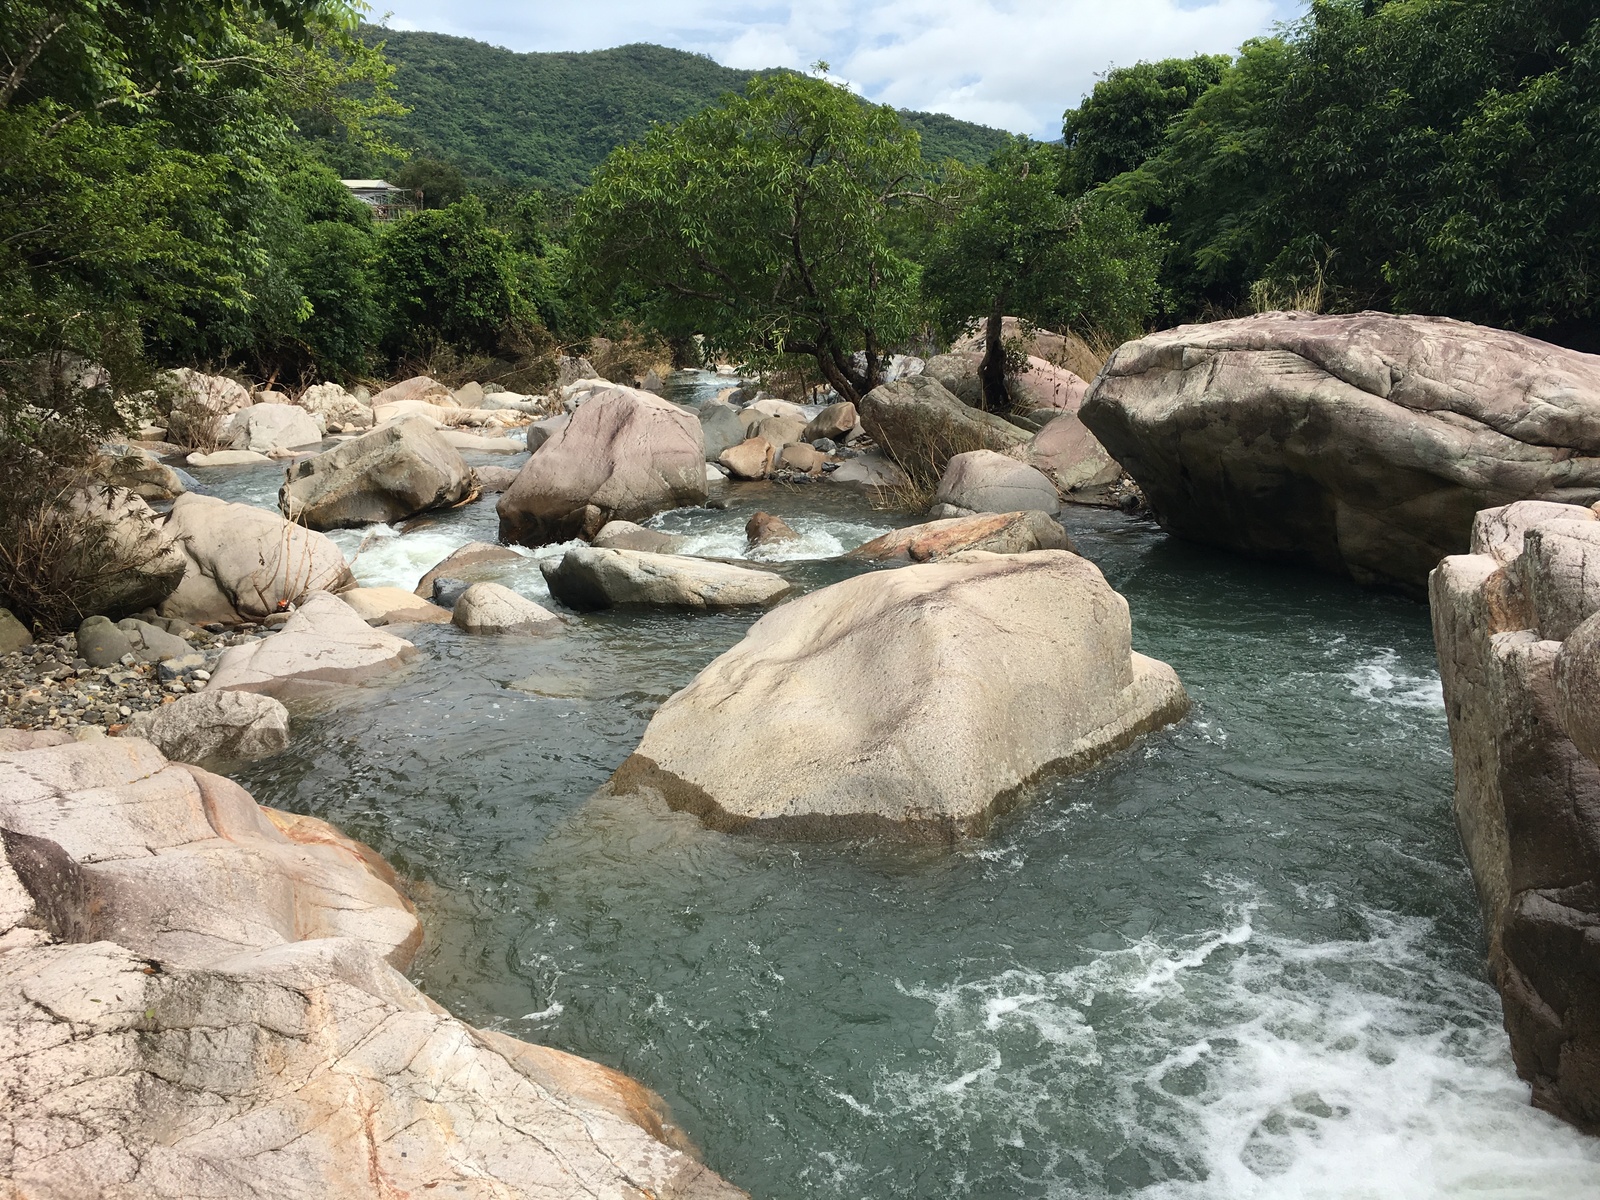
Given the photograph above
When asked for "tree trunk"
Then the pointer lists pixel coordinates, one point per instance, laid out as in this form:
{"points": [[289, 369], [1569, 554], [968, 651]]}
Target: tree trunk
{"points": [[992, 370], [836, 377]]}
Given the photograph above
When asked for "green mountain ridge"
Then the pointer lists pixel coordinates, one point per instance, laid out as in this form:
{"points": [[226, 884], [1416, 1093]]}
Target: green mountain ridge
{"points": [[550, 118]]}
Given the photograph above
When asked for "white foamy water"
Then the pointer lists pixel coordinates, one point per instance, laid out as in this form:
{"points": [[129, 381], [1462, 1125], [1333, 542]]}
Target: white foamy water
{"points": [[1381, 680], [820, 537], [1258, 1068], [382, 556]]}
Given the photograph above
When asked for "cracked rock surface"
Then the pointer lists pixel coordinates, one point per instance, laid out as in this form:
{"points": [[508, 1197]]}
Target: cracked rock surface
{"points": [[1517, 625], [202, 997], [1361, 444]]}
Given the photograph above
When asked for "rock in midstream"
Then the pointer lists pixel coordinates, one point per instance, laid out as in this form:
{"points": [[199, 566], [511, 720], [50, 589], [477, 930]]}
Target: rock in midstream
{"points": [[918, 701], [587, 578]]}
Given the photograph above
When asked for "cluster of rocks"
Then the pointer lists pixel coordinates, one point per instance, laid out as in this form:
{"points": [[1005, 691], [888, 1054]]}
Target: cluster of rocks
{"points": [[204, 997]]}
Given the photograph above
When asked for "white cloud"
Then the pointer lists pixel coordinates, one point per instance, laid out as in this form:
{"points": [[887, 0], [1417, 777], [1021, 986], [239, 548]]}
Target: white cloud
{"points": [[1015, 64]]}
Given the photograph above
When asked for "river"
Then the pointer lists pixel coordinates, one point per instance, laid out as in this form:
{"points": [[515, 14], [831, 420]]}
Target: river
{"points": [[1240, 959]]}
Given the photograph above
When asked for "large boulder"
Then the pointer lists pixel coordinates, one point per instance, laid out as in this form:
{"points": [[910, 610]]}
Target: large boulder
{"points": [[750, 459], [243, 563], [139, 471], [203, 408], [836, 422], [997, 533], [325, 644], [1517, 626], [204, 998], [111, 550], [587, 578], [921, 425], [983, 481], [423, 388], [722, 428], [394, 472], [1073, 459], [204, 726], [1044, 385], [871, 470], [918, 701], [264, 427], [1358, 444], [625, 455], [340, 411]]}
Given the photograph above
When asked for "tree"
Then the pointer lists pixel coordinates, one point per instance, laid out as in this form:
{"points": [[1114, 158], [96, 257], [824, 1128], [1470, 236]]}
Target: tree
{"points": [[440, 183], [1017, 246], [449, 278], [1125, 119], [761, 224]]}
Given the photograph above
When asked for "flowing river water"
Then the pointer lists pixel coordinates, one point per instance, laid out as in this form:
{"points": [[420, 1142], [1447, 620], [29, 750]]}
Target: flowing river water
{"points": [[1240, 959]]}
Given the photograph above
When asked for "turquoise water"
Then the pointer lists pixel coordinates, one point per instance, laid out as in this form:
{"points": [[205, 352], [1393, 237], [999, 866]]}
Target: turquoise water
{"points": [[1240, 959]]}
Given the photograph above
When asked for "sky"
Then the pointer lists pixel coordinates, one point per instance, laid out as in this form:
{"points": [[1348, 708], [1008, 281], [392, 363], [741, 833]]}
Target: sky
{"points": [[1013, 64]]}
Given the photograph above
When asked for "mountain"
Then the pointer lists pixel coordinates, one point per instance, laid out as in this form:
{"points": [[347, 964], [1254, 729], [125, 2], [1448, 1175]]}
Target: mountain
{"points": [[550, 118]]}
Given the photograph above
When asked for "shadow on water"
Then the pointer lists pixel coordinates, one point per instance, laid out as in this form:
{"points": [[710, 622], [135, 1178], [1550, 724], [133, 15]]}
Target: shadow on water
{"points": [[1240, 959]]}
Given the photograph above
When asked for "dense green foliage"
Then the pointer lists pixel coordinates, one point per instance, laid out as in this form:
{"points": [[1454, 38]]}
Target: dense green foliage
{"points": [[1422, 155], [551, 119], [1017, 245], [761, 223], [1125, 119]]}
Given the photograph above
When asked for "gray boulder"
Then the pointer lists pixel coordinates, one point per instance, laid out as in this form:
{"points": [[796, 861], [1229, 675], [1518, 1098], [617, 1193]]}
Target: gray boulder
{"points": [[150, 643], [921, 425], [264, 427], [491, 608], [398, 470], [324, 644], [722, 427], [141, 472], [101, 643], [625, 455], [586, 579], [203, 726], [625, 535], [1360, 444], [14, 634], [336, 407], [982, 481], [834, 423]]}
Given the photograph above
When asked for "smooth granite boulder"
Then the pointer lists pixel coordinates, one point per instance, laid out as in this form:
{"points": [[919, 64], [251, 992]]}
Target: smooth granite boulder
{"points": [[1361, 444], [398, 470], [325, 644], [203, 726], [625, 455], [491, 608], [983, 481], [916, 702], [997, 533], [921, 425]]}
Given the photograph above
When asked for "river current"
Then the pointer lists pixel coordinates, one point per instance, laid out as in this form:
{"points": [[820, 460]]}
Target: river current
{"points": [[1240, 959]]}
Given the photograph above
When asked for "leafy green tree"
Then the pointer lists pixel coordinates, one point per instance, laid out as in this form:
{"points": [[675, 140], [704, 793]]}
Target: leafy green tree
{"points": [[761, 223], [448, 277], [1017, 246], [1125, 119], [440, 183]]}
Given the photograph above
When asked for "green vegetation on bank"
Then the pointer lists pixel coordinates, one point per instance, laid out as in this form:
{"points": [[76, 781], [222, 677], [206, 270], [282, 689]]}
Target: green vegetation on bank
{"points": [[551, 118]]}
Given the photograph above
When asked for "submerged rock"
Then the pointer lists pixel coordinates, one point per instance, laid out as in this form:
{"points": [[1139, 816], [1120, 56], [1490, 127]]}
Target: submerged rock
{"points": [[625, 455], [398, 470], [997, 533], [625, 535], [917, 701], [587, 578], [763, 528], [1518, 636], [324, 644], [204, 998], [1359, 444], [473, 561]]}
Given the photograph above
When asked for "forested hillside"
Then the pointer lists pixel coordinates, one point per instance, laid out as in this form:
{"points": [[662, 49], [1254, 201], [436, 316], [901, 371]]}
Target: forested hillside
{"points": [[550, 119]]}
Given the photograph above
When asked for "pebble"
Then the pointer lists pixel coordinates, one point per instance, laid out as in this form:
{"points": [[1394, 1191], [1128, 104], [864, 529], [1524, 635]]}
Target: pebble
{"points": [[46, 686]]}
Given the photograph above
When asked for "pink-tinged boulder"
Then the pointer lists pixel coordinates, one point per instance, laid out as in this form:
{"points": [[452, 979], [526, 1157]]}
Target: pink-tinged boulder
{"points": [[945, 689], [419, 387], [625, 455], [1517, 627], [750, 459], [203, 997], [1044, 385], [1073, 459], [325, 644], [996, 533], [244, 563], [1360, 444]]}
